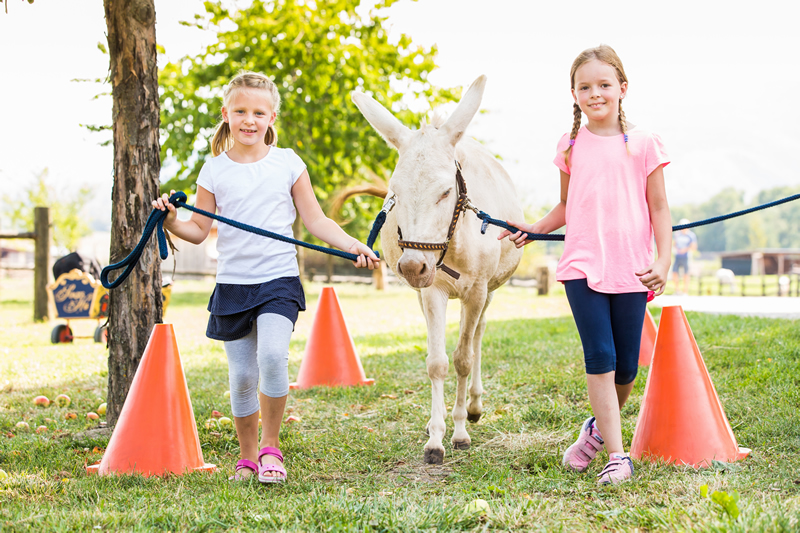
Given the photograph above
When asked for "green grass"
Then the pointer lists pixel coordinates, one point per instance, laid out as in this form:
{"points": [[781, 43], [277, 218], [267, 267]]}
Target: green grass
{"points": [[355, 458]]}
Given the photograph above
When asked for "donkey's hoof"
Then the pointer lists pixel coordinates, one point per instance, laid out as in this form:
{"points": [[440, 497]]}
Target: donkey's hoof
{"points": [[461, 444], [434, 457], [474, 417]]}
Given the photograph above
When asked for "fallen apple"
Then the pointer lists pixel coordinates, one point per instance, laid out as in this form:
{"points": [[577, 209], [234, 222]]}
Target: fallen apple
{"points": [[41, 429], [292, 418], [62, 400], [49, 420], [226, 394], [101, 409], [22, 425], [477, 507], [41, 401], [92, 416], [70, 416], [225, 422], [3, 475], [216, 414], [212, 423]]}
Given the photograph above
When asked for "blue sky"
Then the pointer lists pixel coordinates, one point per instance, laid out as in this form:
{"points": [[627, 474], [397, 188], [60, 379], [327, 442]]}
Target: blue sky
{"points": [[718, 80]]}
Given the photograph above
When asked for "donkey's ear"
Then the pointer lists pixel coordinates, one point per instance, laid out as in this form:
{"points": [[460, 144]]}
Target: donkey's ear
{"points": [[394, 132], [457, 124]]}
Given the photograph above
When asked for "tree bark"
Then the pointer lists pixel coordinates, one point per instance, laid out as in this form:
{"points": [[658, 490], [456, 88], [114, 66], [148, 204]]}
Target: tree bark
{"points": [[135, 307]]}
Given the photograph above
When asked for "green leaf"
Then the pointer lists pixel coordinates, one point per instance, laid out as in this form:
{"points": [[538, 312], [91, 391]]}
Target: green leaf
{"points": [[102, 47]]}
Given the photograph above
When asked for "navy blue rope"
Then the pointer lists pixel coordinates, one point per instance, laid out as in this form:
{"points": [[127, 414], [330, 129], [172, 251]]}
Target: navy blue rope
{"points": [[560, 236], [156, 222]]}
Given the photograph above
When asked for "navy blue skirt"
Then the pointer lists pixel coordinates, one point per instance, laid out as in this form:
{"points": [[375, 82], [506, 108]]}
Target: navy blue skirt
{"points": [[234, 308]]}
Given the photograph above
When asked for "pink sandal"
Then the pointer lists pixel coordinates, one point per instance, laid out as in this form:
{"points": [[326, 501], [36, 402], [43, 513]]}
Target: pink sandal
{"points": [[269, 467], [578, 456], [244, 463]]}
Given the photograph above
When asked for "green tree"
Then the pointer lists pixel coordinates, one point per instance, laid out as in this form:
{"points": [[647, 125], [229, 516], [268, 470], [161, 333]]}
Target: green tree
{"points": [[66, 216], [317, 54]]}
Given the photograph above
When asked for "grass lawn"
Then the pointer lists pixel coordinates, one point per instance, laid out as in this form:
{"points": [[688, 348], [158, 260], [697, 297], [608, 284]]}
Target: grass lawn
{"points": [[355, 457]]}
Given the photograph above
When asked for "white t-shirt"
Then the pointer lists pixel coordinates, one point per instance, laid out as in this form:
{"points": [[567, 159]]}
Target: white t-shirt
{"points": [[258, 194]]}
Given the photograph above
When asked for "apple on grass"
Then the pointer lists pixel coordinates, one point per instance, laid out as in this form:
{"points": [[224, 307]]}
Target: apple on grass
{"points": [[70, 416], [62, 400], [3, 475], [41, 401], [216, 414], [22, 425], [101, 409], [92, 416], [41, 429], [225, 422]]}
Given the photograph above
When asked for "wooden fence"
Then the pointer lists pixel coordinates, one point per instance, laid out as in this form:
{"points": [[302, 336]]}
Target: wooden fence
{"points": [[41, 260]]}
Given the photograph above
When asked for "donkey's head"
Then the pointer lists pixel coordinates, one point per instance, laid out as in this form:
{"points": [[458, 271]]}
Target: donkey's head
{"points": [[423, 181]]}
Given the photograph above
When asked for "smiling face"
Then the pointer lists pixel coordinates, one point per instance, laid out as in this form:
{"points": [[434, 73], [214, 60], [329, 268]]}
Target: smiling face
{"points": [[249, 114], [597, 90]]}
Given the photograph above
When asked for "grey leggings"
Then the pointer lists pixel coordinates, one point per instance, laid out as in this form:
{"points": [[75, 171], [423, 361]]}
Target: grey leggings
{"points": [[264, 354]]}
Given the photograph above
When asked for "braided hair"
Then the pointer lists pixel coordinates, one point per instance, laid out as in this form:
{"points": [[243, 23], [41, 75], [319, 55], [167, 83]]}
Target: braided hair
{"points": [[223, 138], [607, 55]]}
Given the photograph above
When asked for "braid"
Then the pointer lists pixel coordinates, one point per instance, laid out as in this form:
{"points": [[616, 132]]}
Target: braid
{"points": [[624, 125], [576, 125]]}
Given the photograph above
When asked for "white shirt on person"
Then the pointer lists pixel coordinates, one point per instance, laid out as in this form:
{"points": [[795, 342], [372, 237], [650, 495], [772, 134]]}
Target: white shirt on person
{"points": [[258, 194]]}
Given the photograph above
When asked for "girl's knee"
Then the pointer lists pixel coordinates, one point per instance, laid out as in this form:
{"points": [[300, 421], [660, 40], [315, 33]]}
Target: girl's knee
{"points": [[625, 376]]}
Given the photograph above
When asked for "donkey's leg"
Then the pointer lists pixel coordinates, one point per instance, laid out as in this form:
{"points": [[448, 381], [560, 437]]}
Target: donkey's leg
{"points": [[471, 311], [434, 305], [475, 407]]}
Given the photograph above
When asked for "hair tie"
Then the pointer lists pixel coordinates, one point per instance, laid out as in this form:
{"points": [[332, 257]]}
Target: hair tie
{"points": [[572, 141], [626, 137]]}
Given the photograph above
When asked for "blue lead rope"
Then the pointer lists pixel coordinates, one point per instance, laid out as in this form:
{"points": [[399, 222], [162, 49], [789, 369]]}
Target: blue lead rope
{"points": [[156, 222], [560, 236]]}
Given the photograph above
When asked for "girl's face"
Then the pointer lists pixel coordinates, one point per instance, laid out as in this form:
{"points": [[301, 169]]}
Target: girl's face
{"points": [[249, 114], [598, 91]]}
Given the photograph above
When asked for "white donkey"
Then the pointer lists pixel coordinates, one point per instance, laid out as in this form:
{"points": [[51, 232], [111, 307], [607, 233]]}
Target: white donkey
{"points": [[423, 231]]}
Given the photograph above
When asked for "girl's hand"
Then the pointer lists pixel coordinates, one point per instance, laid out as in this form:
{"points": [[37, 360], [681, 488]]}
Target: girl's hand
{"points": [[162, 204], [654, 277], [366, 257], [518, 238]]}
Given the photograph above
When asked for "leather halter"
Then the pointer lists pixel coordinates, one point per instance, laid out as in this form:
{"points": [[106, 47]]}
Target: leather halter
{"points": [[462, 203]]}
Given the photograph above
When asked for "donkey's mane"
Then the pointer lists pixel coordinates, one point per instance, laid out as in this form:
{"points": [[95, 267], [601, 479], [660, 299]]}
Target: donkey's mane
{"points": [[437, 120]]}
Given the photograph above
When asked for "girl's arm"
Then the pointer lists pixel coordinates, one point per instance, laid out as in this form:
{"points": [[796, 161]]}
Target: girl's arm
{"points": [[196, 229], [326, 229], [553, 220], [654, 277]]}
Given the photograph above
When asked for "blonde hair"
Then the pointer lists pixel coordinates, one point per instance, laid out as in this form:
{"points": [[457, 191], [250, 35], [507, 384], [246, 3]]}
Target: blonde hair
{"points": [[223, 139], [607, 55]]}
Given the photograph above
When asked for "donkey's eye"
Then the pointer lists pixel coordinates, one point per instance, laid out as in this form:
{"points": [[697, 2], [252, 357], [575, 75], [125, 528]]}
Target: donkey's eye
{"points": [[445, 195]]}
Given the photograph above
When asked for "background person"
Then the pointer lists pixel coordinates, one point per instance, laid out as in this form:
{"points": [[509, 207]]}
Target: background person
{"points": [[684, 242]]}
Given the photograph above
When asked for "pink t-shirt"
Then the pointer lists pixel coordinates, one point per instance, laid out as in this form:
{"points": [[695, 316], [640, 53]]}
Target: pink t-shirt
{"points": [[609, 236]]}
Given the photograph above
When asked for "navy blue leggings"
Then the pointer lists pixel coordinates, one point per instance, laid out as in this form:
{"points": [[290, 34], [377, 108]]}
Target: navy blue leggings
{"points": [[610, 326]]}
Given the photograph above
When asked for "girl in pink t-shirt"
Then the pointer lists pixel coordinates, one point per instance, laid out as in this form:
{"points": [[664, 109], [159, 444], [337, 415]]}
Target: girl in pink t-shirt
{"points": [[614, 175]]}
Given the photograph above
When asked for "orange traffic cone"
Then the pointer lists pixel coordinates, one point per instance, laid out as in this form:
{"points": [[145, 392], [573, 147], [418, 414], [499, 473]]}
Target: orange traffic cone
{"points": [[156, 431], [330, 357], [649, 331], [681, 419]]}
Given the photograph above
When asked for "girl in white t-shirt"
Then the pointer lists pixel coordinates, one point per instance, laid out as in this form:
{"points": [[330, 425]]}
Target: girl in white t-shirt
{"points": [[617, 206], [258, 293]]}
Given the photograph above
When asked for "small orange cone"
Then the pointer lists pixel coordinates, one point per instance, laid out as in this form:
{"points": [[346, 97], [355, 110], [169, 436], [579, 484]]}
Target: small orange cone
{"points": [[681, 419], [330, 357], [156, 431], [649, 331]]}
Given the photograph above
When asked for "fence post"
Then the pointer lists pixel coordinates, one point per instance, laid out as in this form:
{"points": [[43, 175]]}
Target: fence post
{"points": [[41, 268]]}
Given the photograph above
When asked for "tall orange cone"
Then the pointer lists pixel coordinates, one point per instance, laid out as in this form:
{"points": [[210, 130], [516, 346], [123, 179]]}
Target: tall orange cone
{"points": [[330, 357], [648, 344], [681, 419], [156, 431]]}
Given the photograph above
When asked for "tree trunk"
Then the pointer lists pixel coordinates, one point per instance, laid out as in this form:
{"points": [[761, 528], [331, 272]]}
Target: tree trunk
{"points": [[136, 305]]}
